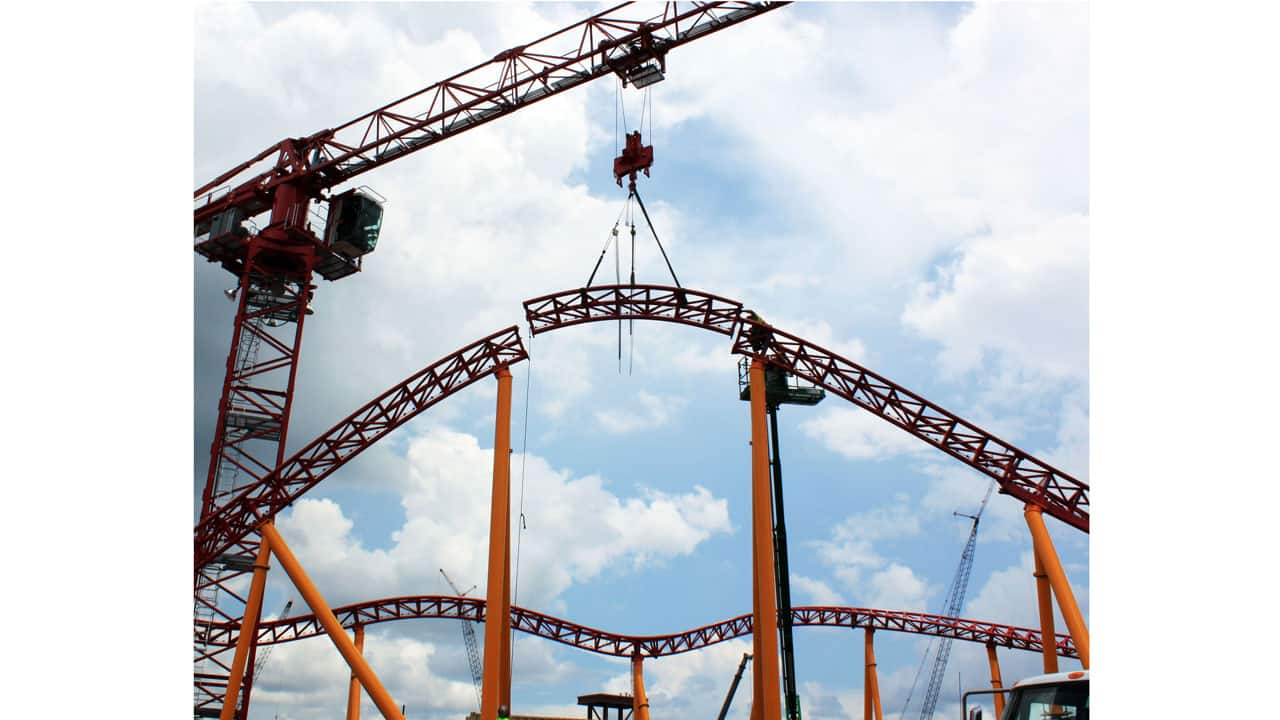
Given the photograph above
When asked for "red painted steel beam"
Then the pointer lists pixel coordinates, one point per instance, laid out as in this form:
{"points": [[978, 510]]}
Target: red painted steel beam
{"points": [[607, 643], [632, 302], [619, 38], [1017, 472], [261, 500]]}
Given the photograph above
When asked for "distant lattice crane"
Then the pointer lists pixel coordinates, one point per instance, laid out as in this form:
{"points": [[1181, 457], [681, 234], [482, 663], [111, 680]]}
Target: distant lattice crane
{"points": [[266, 650], [469, 636], [954, 602]]}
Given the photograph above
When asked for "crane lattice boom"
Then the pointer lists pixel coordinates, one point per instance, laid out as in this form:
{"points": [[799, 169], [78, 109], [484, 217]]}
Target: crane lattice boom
{"points": [[954, 602], [469, 637], [624, 40]]}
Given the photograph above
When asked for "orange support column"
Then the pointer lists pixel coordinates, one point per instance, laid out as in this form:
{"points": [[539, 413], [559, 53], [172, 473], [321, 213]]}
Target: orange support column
{"points": [[996, 683], [497, 623], [372, 685], [1058, 580], [1048, 635], [764, 625], [871, 682], [248, 630], [353, 691], [504, 659], [757, 680], [640, 701]]}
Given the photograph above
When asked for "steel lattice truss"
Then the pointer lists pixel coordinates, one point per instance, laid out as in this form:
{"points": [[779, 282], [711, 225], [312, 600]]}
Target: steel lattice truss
{"points": [[1018, 473], [606, 643], [267, 496], [616, 40], [632, 302]]}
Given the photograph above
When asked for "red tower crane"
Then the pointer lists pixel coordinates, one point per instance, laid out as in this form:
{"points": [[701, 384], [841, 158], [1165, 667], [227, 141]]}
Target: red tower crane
{"points": [[275, 265]]}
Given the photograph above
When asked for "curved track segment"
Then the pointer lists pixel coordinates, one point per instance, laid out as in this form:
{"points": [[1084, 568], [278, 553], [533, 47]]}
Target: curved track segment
{"points": [[607, 643], [632, 302], [1018, 473], [264, 498]]}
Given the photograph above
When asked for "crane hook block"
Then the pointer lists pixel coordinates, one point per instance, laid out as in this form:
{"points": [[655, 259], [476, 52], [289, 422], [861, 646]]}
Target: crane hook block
{"points": [[634, 158]]}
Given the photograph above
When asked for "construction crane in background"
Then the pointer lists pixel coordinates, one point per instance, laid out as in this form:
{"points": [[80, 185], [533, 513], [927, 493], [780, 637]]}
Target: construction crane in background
{"points": [[953, 604], [469, 636], [733, 687], [266, 652], [275, 265]]}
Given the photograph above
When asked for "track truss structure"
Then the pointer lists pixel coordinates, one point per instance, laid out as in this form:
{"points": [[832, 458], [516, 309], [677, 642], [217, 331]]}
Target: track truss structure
{"points": [[232, 525], [1018, 473], [261, 500], [632, 302], [607, 643]]}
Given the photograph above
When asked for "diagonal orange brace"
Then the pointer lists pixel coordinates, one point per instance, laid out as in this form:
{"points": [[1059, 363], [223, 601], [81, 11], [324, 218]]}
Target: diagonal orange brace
{"points": [[1058, 580], [381, 698]]}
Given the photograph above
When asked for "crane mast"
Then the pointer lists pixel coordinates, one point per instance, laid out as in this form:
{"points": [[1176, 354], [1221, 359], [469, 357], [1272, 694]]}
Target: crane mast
{"points": [[275, 265], [469, 637], [954, 602]]}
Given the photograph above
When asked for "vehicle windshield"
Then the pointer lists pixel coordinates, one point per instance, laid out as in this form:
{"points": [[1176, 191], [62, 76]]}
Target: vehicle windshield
{"points": [[1063, 701]]}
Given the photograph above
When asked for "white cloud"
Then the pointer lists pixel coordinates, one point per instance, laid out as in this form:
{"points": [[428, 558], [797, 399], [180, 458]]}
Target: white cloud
{"points": [[816, 591], [449, 470], [856, 434], [871, 579], [1018, 293], [1009, 595], [654, 411]]}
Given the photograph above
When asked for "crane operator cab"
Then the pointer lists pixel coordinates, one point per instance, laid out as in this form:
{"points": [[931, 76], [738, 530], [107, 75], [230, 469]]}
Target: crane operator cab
{"points": [[355, 219]]}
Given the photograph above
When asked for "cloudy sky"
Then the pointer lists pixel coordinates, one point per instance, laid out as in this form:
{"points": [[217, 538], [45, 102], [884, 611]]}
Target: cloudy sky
{"points": [[906, 184]]}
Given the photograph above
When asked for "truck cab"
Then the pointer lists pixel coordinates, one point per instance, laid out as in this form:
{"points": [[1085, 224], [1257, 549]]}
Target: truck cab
{"points": [[1057, 696]]}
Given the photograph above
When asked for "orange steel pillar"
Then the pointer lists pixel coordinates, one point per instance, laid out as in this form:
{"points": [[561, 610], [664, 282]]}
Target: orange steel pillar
{"points": [[497, 614], [381, 698], [640, 701], [1058, 580], [871, 683], [504, 659], [757, 680], [765, 623], [996, 684], [1048, 635], [248, 630], [353, 691]]}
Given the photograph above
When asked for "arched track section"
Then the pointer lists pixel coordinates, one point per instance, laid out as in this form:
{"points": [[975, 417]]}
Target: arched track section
{"points": [[1017, 472], [606, 643], [639, 302], [261, 500]]}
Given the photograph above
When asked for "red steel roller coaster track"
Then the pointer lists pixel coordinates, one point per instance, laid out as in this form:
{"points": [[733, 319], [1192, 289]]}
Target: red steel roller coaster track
{"points": [[232, 522], [261, 500], [606, 643], [1018, 473]]}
